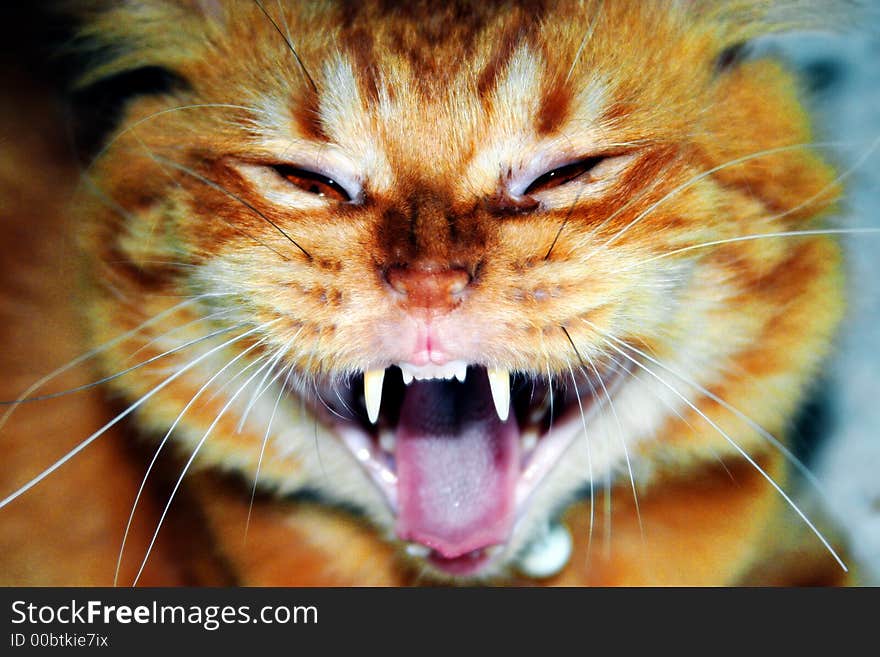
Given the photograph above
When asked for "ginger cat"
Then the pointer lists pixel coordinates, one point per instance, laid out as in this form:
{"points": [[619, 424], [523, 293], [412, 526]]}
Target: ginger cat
{"points": [[395, 293]]}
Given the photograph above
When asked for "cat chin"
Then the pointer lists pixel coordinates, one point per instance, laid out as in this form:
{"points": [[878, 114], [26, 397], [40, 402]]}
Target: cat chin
{"points": [[571, 439]]}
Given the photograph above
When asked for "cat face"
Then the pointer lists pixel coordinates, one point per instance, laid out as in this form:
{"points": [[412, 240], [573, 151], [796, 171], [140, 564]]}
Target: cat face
{"points": [[456, 267]]}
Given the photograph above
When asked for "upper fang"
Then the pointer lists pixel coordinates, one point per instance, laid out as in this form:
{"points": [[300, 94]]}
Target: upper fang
{"points": [[499, 384], [373, 393]]}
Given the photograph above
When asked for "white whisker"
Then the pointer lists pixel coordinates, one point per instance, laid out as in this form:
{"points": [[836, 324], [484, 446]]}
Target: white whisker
{"points": [[111, 377], [742, 453], [187, 466], [758, 236], [155, 115], [281, 391], [697, 178], [589, 466], [260, 389], [769, 437], [128, 411], [182, 327], [623, 444], [94, 352], [162, 445]]}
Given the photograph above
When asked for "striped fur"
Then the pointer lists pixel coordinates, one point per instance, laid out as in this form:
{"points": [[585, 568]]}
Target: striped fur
{"points": [[433, 113]]}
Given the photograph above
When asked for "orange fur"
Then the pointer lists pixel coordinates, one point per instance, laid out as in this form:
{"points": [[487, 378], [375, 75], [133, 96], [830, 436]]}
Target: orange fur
{"points": [[437, 110]]}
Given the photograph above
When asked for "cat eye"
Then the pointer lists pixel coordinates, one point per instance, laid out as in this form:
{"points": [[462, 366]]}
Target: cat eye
{"points": [[562, 175], [312, 182]]}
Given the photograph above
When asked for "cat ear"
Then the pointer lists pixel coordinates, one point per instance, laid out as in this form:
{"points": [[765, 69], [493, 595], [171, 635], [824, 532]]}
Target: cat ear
{"points": [[114, 36], [737, 23], [749, 19], [120, 50], [731, 56]]}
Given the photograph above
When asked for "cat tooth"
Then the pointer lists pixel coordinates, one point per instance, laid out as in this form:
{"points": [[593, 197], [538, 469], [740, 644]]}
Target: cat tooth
{"points": [[540, 411], [547, 555], [499, 383], [493, 551], [433, 372], [529, 439], [373, 392], [387, 441], [418, 550]]}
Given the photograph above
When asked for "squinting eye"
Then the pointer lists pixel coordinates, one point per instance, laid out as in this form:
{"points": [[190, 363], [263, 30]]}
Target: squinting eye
{"points": [[562, 175], [313, 183]]}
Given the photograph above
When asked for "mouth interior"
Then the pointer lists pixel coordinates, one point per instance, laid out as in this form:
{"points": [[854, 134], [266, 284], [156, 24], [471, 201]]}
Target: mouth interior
{"points": [[457, 467], [450, 466]]}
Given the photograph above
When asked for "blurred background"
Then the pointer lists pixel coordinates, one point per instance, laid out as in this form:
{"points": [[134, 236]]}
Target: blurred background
{"points": [[841, 75]]}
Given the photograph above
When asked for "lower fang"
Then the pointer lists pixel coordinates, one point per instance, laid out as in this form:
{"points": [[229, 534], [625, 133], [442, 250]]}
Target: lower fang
{"points": [[493, 551], [547, 555], [387, 441], [540, 411], [418, 550], [529, 440]]}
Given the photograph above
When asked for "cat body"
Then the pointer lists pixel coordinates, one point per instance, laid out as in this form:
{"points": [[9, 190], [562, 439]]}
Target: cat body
{"points": [[332, 213]]}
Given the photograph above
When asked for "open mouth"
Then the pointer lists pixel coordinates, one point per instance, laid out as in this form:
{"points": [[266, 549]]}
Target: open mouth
{"points": [[458, 449]]}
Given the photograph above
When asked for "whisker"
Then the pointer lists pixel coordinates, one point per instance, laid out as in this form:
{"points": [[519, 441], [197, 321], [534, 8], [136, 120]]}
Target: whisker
{"points": [[213, 185], [630, 201], [154, 115], [608, 486], [92, 353], [171, 263], [128, 411], [758, 236], [187, 466], [589, 467], [162, 445], [263, 386], [289, 46], [231, 380], [563, 225], [626, 457], [111, 377], [769, 437], [318, 446], [794, 507], [672, 409], [182, 327], [318, 398], [590, 28], [281, 392], [701, 176], [843, 176], [342, 401]]}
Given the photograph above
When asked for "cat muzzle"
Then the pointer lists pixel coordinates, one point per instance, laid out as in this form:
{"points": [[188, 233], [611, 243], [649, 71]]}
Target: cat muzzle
{"points": [[458, 449]]}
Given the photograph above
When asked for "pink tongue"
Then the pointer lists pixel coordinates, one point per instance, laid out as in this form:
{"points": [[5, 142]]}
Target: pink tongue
{"points": [[457, 466]]}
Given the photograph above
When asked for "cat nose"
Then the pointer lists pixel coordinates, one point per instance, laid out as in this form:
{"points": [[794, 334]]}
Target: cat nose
{"points": [[429, 286]]}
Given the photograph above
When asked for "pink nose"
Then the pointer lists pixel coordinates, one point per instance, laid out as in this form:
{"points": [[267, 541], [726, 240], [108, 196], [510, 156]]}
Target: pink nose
{"points": [[429, 286]]}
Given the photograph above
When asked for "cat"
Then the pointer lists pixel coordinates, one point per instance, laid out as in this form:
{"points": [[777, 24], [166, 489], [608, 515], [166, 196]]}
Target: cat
{"points": [[395, 293]]}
